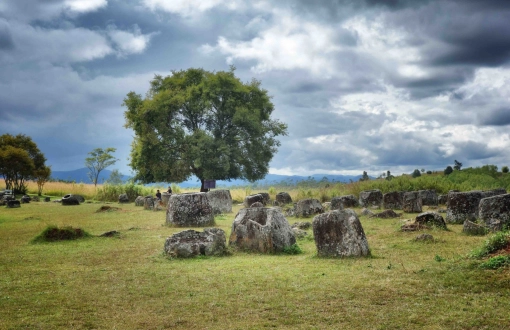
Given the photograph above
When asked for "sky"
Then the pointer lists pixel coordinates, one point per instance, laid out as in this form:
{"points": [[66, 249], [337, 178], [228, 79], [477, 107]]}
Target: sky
{"points": [[363, 85]]}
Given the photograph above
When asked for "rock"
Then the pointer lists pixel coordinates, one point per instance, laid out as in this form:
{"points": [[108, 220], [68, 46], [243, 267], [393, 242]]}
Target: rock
{"points": [[12, 203], [250, 199], [302, 225], [472, 228], [35, 199], [257, 204], [424, 238], [411, 202], [431, 219], [158, 205], [493, 192], [393, 200], [47, 199], [495, 208], [221, 201], [337, 203], [266, 197], [290, 211], [107, 208], [349, 201], [123, 199], [299, 233], [339, 233], [189, 210], [191, 243], [442, 199], [148, 203], [112, 233], [80, 198], [308, 207], [369, 198], [386, 214], [25, 199], [70, 200], [367, 212], [139, 201], [283, 198], [261, 229], [165, 197], [412, 226], [326, 206], [463, 206], [428, 197]]}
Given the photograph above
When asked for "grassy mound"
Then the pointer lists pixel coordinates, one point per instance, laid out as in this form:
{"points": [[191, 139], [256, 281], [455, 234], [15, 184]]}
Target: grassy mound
{"points": [[497, 251], [106, 208], [53, 234]]}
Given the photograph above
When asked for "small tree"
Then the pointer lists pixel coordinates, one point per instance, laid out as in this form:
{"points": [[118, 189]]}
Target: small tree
{"points": [[448, 170], [416, 173], [364, 177], [504, 169], [115, 178], [42, 176], [389, 176], [458, 165], [99, 160]]}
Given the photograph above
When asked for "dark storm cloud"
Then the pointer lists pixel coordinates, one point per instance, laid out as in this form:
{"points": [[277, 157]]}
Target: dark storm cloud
{"points": [[498, 117], [472, 150], [6, 41]]}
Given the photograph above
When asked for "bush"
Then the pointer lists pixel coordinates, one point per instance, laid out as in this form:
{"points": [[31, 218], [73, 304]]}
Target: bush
{"points": [[496, 262], [494, 243], [293, 249], [53, 234], [504, 169]]}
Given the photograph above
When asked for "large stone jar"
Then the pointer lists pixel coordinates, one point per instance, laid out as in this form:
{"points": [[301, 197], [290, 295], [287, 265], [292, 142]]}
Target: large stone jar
{"points": [[189, 210]]}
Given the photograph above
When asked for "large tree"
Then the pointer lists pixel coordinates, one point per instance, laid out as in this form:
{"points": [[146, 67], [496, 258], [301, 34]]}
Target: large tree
{"points": [[99, 160], [207, 124], [20, 158]]}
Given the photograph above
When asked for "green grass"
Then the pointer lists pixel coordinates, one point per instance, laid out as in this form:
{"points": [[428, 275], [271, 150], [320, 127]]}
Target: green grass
{"points": [[127, 282]]}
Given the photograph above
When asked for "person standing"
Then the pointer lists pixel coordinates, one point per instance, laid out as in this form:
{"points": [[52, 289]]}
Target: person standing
{"points": [[158, 195]]}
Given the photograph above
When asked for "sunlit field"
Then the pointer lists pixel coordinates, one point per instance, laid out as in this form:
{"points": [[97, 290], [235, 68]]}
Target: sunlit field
{"points": [[127, 282]]}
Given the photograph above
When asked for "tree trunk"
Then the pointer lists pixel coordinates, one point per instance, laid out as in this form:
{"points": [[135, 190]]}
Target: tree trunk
{"points": [[202, 188]]}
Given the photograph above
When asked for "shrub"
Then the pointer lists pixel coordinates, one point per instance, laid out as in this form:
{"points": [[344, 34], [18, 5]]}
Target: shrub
{"points": [[53, 234], [293, 249], [496, 262], [504, 169], [494, 243]]}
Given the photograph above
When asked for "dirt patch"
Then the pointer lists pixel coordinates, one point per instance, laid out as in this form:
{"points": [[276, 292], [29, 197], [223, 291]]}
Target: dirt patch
{"points": [[53, 234], [502, 252], [106, 208]]}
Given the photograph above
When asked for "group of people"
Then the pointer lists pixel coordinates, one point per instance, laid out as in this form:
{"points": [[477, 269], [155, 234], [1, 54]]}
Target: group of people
{"points": [[158, 193]]}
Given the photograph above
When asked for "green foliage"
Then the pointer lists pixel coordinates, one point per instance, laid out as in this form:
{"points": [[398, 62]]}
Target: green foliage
{"points": [[209, 124], [99, 160], [292, 249], [115, 178], [448, 170], [53, 234], [504, 169], [416, 173], [438, 258], [493, 243], [19, 159], [496, 262], [458, 165], [110, 193], [41, 176], [364, 177]]}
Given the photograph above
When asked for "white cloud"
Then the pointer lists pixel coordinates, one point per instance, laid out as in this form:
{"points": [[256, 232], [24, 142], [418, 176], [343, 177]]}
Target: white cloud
{"points": [[129, 42], [84, 6], [188, 8]]}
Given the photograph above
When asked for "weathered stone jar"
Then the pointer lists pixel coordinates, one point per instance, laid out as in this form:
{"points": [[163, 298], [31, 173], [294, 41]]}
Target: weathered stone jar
{"points": [[189, 210]]}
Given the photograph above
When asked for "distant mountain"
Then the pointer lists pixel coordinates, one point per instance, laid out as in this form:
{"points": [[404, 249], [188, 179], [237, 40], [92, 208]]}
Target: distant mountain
{"points": [[81, 175]]}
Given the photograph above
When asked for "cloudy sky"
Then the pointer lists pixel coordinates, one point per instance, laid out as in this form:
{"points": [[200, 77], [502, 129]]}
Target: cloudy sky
{"points": [[363, 85]]}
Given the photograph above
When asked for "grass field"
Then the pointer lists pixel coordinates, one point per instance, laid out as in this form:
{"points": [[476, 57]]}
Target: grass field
{"points": [[127, 283]]}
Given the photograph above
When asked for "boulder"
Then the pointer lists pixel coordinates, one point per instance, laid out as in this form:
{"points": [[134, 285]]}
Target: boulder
{"points": [[367, 212], [308, 207], [220, 200], [302, 225], [339, 233], [495, 210], [412, 226], [428, 197], [262, 230], [291, 211], [393, 200], [47, 199], [349, 201], [191, 243], [35, 198], [80, 198], [257, 204], [299, 233], [250, 199], [25, 199], [386, 214], [493, 192], [123, 199], [337, 203], [473, 228], [70, 200], [139, 201], [424, 238], [165, 197], [12, 203], [283, 198], [369, 198], [411, 202], [431, 219], [442, 199], [463, 206], [266, 197], [189, 210], [148, 203]]}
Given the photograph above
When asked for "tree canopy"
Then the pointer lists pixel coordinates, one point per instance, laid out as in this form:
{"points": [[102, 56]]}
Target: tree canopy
{"points": [[207, 124], [20, 158], [99, 160]]}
